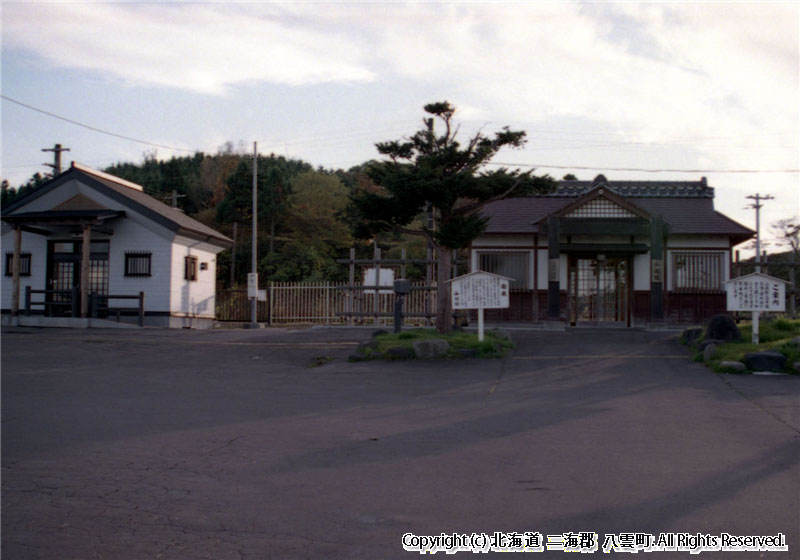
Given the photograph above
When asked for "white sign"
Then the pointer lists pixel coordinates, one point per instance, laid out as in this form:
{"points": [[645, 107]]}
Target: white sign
{"points": [[386, 279], [252, 284], [480, 290], [756, 292]]}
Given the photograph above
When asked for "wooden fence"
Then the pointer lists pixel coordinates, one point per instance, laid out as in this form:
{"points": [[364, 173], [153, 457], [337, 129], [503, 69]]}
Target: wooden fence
{"points": [[328, 303]]}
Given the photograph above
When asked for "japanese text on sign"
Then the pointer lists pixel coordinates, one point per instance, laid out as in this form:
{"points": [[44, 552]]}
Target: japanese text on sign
{"points": [[480, 290], [756, 292]]}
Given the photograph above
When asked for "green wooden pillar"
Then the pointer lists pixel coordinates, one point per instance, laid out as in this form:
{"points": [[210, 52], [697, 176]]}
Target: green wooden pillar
{"points": [[553, 269]]}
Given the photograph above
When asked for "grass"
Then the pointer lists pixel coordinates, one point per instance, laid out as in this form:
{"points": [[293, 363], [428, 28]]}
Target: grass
{"points": [[493, 345], [773, 334]]}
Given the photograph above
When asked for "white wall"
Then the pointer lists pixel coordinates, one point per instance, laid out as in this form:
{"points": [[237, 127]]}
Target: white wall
{"points": [[504, 241], [193, 298], [130, 236], [36, 245]]}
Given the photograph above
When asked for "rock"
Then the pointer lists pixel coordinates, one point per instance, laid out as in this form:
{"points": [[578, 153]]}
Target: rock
{"points": [[690, 336], [736, 366], [379, 332], [709, 352], [502, 334], [795, 341], [723, 327], [797, 367], [768, 360], [431, 348], [398, 353], [467, 352], [701, 346]]}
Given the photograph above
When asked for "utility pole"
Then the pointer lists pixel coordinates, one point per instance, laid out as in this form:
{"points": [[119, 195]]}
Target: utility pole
{"points": [[175, 197], [254, 263], [56, 165], [757, 205]]}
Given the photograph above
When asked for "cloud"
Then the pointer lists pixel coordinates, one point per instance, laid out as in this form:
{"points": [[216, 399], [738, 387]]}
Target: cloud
{"points": [[205, 48]]}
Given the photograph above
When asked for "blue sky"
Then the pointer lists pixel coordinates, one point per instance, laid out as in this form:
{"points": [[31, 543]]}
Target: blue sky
{"points": [[706, 86]]}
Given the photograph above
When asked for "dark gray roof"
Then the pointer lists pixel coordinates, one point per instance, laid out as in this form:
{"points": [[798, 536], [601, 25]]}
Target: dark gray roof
{"points": [[636, 189], [687, 206], [130, 194]]}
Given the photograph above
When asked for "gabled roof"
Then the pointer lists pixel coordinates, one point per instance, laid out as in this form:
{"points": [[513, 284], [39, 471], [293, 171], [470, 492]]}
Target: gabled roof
{"points": [[687, 206], [130, 195]]}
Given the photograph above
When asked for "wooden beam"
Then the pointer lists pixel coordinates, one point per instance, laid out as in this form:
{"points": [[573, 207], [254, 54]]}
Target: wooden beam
{"points": [[86, 249], [15, 262]]}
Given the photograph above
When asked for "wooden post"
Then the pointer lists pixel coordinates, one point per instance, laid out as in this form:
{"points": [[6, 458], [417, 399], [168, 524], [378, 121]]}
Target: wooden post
{"points": [[233, 256], [793, 295], [15, 261], [86, 249], [351, 282], [141, 309], [376, 302], [403, 264], [28, 300]]}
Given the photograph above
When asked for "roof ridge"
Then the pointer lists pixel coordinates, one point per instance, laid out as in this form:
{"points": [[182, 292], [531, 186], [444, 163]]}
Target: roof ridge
{"points": [[107, 176]]}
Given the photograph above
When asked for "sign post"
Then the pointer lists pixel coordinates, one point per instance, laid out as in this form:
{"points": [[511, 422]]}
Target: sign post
{"points": [[480, 290], [756, 293]]}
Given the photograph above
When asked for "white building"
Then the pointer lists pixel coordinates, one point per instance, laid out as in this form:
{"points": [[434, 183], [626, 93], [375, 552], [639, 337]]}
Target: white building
{"points": [[137, 245]]}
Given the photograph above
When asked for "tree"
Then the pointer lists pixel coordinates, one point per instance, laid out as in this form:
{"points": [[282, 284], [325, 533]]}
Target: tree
{"points": [[787, 232], [569, 177], [432, 169]]}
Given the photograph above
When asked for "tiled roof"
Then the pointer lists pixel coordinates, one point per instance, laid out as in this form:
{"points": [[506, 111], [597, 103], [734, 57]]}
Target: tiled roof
{"points": [[130, 194], [636, 189], [687, 206]]}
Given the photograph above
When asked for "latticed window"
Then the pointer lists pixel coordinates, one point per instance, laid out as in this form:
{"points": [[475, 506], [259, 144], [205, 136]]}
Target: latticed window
{"points": [[698, 271], [511, 264], [137, 263], [24, 264], [601, 208], [190, 269]]}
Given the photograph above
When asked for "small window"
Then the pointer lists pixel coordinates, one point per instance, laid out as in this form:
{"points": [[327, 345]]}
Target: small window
{"points": [[698, 271], [190, 269], [24, 264], [138, 263], [512, 264]]}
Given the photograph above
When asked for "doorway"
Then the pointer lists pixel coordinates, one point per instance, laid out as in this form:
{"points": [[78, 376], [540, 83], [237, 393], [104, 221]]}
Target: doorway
{"points": [[598, 290], [64, 273]]}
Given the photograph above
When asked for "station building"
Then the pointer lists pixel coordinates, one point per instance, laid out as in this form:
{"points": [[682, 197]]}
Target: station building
{"points": [[602, 252]]}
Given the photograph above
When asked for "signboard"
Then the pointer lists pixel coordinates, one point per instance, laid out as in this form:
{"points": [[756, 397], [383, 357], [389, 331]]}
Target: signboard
{"points": [[480, 290], [252, 284], [386, 279], [756, 292]]}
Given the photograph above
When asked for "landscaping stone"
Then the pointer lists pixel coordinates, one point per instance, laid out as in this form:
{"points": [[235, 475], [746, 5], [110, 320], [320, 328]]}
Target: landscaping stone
{"points": [[690, 336], [797, 367], [709, 352], [795, 341], [398, 353], [768, 360], [431, 348], [723, 327], [467, 352], [715, 341], [728, 364], [379, 332], [502, 334]]}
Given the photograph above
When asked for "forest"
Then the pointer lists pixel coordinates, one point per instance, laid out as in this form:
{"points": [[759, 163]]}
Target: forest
{"points": [[303, 223]]}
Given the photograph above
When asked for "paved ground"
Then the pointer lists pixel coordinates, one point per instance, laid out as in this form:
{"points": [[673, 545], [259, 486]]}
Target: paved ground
{"points": [[226, 444]]}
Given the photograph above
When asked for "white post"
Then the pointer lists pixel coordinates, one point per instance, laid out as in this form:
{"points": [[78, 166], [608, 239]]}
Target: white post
{"points": [[480, 324], [755, 326]]}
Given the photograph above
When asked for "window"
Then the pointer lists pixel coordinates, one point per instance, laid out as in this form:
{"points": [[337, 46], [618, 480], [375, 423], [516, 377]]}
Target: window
{"points": [[514, 265], [24, 264], [137, 263], [698, 271], [190, 269]]}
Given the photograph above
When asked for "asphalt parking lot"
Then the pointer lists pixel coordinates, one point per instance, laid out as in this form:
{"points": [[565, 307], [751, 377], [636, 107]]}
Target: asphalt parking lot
{"points": [[243, 444]]}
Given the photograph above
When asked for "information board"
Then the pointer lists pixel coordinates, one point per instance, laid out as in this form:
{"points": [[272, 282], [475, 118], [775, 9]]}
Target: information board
{"points": [[756, 292], [480, 290]]}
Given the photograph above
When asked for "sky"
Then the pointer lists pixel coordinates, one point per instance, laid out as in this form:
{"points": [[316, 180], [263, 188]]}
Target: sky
{"points": [[690, 89]]}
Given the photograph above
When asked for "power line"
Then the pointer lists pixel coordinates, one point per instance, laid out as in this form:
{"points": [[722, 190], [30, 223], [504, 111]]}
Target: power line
{"points": [[643, 170], [92, 128]]}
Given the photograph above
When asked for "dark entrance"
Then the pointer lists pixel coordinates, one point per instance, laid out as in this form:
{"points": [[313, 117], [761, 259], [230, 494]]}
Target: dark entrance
{"points": [[64, 273], [598, 291]]}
